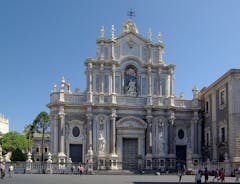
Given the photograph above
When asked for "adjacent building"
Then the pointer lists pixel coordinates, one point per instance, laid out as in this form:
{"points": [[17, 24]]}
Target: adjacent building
{"points": [[41, 147], [221, 118], [4, 125], [128, 117]]}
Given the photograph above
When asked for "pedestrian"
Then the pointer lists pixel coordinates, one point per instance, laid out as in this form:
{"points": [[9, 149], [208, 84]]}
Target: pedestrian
{"points": [[206, 175], [81, 169], [180, 175], [2, 169], [221, 176], [72, 169], [198, 177], [11, 171], [237, 174], [216, 174]]}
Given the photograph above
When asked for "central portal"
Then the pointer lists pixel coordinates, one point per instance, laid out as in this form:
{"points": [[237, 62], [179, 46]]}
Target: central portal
{"points": [[130, 153], [76, 152]]}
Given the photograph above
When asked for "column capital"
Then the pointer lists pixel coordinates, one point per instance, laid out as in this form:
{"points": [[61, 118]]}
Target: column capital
{"points": [[89, 116]]}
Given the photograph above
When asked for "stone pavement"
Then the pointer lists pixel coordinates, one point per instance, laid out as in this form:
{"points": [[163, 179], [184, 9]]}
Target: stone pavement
{"points": [[100, 179]]}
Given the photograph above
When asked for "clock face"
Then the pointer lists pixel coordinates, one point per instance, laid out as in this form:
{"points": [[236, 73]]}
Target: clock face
{"points": [[180, 134]]}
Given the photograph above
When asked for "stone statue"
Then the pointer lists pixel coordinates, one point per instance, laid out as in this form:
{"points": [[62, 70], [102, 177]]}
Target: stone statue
{"points": [[101, 144], [131, 87], [102, 32]]}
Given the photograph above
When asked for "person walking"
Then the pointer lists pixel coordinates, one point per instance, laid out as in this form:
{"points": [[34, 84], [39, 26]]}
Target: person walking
{"points": [[11, 171], [237, 174], [2, 169], [216, 175], [206, 175], [180, 173], [198, 177]]}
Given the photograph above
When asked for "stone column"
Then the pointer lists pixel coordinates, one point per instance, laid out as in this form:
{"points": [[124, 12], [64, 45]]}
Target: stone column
{"points": [[149, 131], [61, 133], [195, 135], [89, 130], [101, 99], [171, 136], [113, 157], [171, 142], [89, 156], [54, 134], [149, 97], [159, 82], [148, 141], [171, 82], [113, 84], [113, 132], [89, 82]]}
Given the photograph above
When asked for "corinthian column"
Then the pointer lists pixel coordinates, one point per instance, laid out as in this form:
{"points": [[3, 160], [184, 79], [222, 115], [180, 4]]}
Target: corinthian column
{"points": [[113, 84], [101, 99], [113, 132], [171, 144], [89, 82], [89, 130], [149, 134], [61, 153]]}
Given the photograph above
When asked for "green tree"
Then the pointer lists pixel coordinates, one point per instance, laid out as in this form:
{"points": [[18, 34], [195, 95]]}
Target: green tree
{"points": [[13, 141], [29, 131]]}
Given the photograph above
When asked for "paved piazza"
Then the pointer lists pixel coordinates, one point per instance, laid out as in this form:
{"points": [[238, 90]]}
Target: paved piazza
{"points": [[99, 179]]}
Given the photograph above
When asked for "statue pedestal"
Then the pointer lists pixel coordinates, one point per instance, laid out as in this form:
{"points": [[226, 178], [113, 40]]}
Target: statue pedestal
{"points": [[148, 159], [113, 162], [101, 162], [89, 161]]}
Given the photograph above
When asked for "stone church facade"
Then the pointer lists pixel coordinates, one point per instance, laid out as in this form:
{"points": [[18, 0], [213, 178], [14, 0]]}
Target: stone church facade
{"points": [[128, 117]]}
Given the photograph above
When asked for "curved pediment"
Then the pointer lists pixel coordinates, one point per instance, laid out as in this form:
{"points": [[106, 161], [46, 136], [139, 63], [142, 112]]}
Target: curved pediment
{"points": [[131, 122]]}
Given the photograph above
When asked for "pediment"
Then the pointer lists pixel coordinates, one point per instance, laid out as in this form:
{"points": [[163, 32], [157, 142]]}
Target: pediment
{"points": [[131, 122]]}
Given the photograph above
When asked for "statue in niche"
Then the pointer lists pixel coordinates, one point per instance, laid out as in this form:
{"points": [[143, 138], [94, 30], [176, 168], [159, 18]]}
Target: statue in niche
{"points": [[131, 89], [101, 144], [131, 72]]}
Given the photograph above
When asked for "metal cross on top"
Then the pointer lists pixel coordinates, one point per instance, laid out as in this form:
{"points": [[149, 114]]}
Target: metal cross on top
{"points": [[131, 14]]}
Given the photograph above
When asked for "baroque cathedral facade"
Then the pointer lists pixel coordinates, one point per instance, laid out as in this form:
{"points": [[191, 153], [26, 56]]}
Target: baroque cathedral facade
{"points": [[128, 116]]}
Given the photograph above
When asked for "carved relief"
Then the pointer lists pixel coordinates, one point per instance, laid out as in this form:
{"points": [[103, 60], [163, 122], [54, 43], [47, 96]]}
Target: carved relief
{"points": [[131, 122]]}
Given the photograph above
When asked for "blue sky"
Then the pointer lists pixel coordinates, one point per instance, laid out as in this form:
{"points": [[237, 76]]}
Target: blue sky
{"points": [[42, 40]]}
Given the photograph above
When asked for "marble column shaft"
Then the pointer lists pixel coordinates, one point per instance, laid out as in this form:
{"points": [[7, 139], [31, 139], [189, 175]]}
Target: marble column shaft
{"points": [[149, 126], [89, 129], [149, 71], [61, 133], [171, 137], [113, 133]]}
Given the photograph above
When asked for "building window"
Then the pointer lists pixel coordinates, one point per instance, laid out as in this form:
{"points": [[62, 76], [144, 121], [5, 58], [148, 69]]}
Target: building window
{"points": [[223, 134], [46, 150], [180, 134], [163, 87], [222, 98], [37, 150], [75, 131], [118, 84], [207, 107], [106, 84], [207, 139], [155, 86], [144, 86]]}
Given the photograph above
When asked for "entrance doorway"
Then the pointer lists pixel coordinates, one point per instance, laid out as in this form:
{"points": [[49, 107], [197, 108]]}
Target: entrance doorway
{"points": [[181, 153], [76, 152], [130, 153]]}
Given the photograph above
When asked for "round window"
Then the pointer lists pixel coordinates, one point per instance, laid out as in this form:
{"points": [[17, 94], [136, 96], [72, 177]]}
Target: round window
{"points": [[180, 134], [75, 131]]}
